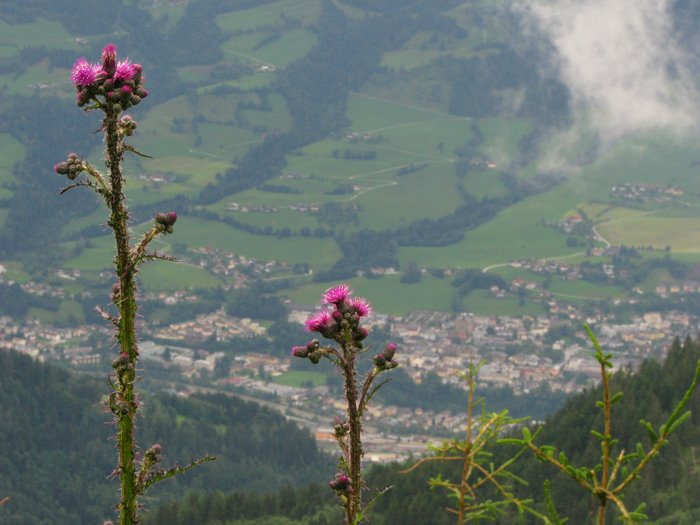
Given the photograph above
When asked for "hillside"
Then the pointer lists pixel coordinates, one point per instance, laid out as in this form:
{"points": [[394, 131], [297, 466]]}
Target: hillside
{"points": [[57, 456], [293, 129], [668, 485]]}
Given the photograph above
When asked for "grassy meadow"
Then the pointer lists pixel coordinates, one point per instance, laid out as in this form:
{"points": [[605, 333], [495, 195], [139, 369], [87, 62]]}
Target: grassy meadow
{"points": [[401, 121]]}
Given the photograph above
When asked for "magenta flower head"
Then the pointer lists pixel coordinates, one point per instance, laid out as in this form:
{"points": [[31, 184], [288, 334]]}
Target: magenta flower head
{"points": [[337, 294], [84, 73], [320, 322], [361, 306], [124, 71], [109, 59]]}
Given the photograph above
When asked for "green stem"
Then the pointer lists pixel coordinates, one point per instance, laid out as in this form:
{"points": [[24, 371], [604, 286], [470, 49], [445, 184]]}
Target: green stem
{"points": [[355, 423], [607, 409], [126, 332], [467, 466]]}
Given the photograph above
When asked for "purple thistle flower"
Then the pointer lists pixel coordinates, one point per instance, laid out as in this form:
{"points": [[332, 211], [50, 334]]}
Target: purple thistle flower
{"points": [[337, 294], [361, 306], [84, 73], [320, 321], [124, 71], [389, 351]]}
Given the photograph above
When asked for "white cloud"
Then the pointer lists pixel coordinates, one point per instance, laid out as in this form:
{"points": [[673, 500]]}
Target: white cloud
{"points": [[620, 61]]}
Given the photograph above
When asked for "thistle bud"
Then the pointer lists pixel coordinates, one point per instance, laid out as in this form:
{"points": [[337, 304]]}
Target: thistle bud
{"points": [[61, 168], [380, 361], [389, 351], [340, 428], [82, 97], [300, 351], [153, 453], [341, 483], [166, 219], [361, 333], [109, 59], [127, 125]]}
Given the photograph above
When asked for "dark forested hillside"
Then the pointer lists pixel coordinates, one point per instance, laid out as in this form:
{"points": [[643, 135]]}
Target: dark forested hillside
{"points": [[669, 486], [56, 456]]}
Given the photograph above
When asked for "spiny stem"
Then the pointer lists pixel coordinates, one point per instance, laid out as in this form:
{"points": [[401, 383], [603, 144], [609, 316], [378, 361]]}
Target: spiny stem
{"points": [[355, 423], [126, 331]]}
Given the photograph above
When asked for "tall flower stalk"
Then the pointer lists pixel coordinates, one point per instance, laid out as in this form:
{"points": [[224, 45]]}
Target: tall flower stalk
{"points": [[112, 87], [479, 472], [340, 322], [609, 480]]}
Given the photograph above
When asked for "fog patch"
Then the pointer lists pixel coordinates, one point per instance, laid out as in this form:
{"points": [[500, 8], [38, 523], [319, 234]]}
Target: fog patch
{"points": [[623, 67]]}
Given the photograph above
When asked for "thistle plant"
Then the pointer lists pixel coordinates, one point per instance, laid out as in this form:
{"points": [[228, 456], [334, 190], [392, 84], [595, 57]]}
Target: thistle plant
{"points": [[341, 324], [112, 87], [478, 470], [618, 469]]}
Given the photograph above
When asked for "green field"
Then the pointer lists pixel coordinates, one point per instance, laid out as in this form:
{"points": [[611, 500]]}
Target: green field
{"points": [[375, 114], [298, 377], [199, 135], [388, 295], [40, 32], [482, 302], [583, 290], [197, 232], [502, 138], [284, 218], [515, 233], [38, 78], [69, 312], [681, 234], [252, 47], [270, 15], [165, 275]]}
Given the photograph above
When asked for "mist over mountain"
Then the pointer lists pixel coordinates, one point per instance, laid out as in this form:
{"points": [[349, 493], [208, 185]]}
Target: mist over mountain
{"points": [[629, 67]]}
